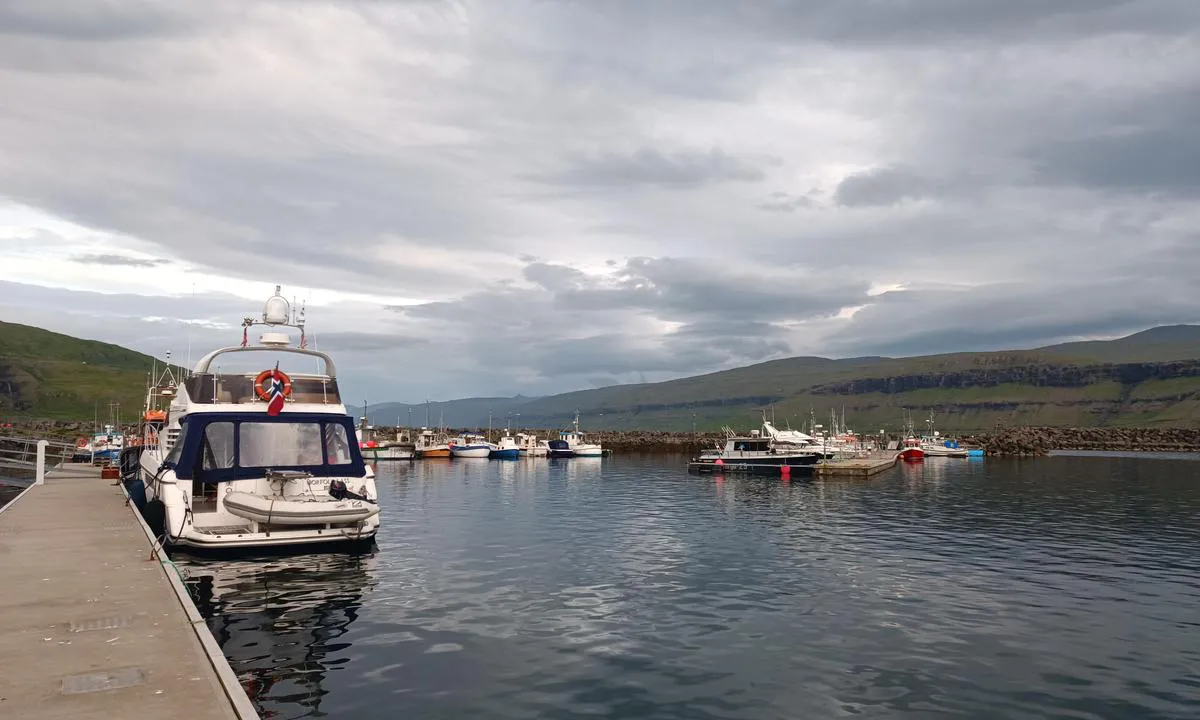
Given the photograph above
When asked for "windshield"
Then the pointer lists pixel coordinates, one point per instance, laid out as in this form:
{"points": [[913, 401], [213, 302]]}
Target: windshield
{"points": [[228, 447]]}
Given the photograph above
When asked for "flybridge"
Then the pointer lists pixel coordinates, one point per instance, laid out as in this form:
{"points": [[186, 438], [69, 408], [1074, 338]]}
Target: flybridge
{"points": [[206, 386]]}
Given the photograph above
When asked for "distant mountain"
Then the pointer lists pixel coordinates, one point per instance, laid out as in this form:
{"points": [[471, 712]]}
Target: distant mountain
{"points": [[1150, 378], [49, 375], [1160, 344]]}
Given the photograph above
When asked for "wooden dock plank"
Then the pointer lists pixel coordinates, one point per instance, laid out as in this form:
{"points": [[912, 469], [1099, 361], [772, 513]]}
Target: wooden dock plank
{"points": [[90, 626]]}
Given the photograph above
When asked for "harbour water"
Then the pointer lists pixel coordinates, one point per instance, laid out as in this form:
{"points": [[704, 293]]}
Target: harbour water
{"points": [[1062, 587]]}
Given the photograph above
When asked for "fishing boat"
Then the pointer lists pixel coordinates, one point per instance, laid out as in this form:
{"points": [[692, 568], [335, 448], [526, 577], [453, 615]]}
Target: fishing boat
{"points": [[935, 445], [374, 449], [471, 446], [530, 446], [754, 454], [573, 443], [911, 450], [263, 459], [506, 448], [432, 444], [103, 447]]}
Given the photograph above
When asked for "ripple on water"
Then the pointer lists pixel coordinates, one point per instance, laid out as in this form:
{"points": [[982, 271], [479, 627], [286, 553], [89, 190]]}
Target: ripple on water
{"points": [[626, 589]]}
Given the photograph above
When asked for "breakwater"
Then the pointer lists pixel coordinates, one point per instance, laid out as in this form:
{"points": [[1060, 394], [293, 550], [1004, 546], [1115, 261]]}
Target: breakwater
{"points": [[1028, 441]]}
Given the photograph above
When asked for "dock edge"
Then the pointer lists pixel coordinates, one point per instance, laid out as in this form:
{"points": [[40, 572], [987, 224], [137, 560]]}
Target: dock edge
{"points": [[236, 694]]}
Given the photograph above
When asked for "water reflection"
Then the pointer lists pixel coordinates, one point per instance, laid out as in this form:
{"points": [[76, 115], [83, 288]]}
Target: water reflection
{"points": [[279, 621], [626, 588]]}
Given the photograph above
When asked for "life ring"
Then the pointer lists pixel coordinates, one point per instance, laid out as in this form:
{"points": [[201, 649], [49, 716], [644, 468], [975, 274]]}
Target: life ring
{"points": [[260, 388]]}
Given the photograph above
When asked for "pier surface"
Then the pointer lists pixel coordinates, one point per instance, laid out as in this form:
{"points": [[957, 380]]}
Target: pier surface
{"points": [[90, 624], [856, 467]]}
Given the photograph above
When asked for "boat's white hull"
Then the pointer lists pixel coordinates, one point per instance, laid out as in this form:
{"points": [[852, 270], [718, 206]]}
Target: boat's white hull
{"points": [[587, 450], [535, 452], [935, 451], [471, 451], [243, 524], [386, 453]]}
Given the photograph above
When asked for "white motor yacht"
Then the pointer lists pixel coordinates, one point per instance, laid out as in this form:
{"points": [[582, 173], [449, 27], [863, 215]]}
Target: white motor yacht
{"points": [[260, 459]]}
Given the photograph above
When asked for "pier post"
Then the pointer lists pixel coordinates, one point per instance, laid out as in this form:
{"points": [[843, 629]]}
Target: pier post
{"points": [[41, 462]]}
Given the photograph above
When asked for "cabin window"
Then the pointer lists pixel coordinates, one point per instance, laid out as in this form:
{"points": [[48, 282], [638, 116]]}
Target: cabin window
{"points": [[176, 447], [276, 444], [337, 447], [216, 452]]}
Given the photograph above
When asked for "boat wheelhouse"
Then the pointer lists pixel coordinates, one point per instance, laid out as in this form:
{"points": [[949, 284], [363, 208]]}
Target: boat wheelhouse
{"points": [[260, 459], [754, 453]]}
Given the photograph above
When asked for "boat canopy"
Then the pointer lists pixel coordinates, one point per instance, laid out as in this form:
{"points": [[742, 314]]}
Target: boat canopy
{"points": [[217, 447]]}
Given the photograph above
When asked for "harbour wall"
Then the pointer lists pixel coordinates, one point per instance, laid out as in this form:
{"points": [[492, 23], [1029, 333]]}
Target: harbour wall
{"points": [[1016, 441]]}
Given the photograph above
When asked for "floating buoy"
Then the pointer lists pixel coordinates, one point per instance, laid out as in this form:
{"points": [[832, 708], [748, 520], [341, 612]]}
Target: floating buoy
{"points": [[719, 462], [785, 470]]}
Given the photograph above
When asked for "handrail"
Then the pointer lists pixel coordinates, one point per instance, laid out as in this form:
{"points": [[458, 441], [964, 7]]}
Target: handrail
{"points": [[204, 363]]}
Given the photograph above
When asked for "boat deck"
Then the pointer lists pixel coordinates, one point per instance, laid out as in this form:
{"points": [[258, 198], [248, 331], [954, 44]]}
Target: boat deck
{"points": [[91, 624], [856, 467]]}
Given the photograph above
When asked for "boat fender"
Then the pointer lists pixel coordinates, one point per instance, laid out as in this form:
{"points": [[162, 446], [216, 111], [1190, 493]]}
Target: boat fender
{"points": [[339, 491]]}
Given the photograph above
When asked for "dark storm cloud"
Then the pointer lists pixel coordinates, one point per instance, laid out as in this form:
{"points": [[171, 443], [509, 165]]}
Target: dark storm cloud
{"points": [[649, 166], [113, 259]]}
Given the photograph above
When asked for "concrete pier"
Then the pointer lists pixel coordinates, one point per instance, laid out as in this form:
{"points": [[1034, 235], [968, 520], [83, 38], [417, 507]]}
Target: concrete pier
{"points": [[856, 467], [92, 623]]}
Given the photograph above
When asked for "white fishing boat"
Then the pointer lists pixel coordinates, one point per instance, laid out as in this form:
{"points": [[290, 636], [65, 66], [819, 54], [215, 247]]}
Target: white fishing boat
{"points": [[530, 446], [260, 459], [573, 443], [935, 445], [471, 446]]}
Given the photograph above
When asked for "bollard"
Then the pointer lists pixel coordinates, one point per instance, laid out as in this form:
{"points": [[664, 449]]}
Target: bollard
{"points": [[41, 462]]}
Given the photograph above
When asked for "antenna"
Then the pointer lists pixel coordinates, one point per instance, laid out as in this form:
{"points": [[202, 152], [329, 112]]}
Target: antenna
{"points": [[189, 330]]}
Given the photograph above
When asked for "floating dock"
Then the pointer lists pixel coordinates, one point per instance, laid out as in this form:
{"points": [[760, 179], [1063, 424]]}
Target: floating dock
{"points": [[92, 623], [856, 467]]}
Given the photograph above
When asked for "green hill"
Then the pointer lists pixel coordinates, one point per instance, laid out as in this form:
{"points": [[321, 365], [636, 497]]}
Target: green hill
{"points": [[48, 375], [1147, 379]]}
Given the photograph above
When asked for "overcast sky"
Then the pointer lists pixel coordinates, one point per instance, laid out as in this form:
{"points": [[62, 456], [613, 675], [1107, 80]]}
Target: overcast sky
{"points": [[501, 197]]}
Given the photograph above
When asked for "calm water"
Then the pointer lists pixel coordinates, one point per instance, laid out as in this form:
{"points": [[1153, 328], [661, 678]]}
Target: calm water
{"points": [[625, 588]]}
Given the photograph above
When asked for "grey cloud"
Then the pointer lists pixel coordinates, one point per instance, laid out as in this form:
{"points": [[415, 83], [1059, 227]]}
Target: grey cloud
{"points": [[684, 288], [553, 277], [1010, 315], [108, 21], [648, 166], [780, 201], [476, 156], [881, 186], [873, 24], [116, 260]]}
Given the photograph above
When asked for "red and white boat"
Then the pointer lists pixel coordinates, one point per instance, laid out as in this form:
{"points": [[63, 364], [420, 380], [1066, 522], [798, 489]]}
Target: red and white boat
{"points": [[911, 450]]}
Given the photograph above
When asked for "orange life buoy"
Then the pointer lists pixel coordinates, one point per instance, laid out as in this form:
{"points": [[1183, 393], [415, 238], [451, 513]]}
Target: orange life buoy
{"points": [[264, 376]]}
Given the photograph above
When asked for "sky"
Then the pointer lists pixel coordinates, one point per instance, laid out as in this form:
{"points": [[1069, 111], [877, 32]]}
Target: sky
{"points": [[510, 196]]}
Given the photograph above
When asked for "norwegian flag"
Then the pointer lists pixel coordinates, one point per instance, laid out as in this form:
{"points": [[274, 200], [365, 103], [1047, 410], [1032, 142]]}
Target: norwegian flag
{"points": [[275, 390]]}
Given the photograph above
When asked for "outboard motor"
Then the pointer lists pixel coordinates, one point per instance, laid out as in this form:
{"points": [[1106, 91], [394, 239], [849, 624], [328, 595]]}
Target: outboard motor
{"points": [[339, 491]]}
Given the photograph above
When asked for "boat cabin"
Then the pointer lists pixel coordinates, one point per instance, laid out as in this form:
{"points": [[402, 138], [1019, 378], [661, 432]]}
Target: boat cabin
{"points": [[216, 447]]}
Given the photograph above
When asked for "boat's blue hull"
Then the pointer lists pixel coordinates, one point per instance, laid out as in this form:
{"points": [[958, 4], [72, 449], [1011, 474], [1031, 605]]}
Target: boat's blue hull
{"points": [[506, 454]]}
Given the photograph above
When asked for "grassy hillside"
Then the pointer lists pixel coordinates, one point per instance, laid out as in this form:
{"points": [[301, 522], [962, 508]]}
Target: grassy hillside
{"points": [[1148, 379], [1132, 381], [48, 375]]}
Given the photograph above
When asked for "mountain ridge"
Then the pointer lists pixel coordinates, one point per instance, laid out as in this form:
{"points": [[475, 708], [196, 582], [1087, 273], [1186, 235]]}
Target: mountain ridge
{"points": [[1149, 378]]}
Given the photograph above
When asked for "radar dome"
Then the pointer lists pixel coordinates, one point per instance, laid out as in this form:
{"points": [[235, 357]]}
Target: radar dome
{"points": [[277, 310]]}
